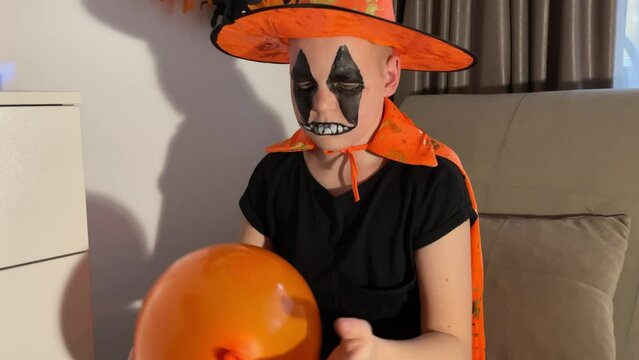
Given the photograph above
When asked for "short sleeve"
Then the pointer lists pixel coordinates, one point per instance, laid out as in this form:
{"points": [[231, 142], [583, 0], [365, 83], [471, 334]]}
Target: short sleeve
{"points": [[442, 204], [253, 202]]}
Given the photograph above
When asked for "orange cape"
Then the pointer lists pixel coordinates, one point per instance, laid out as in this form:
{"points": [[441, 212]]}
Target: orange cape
{"points": [[398, 139]]}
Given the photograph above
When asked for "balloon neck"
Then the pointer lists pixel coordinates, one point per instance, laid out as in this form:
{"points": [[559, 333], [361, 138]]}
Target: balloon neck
{"points": [[227, 354]]}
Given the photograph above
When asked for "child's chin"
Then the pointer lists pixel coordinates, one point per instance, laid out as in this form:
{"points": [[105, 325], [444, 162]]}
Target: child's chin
{"points": [[331, 142]]}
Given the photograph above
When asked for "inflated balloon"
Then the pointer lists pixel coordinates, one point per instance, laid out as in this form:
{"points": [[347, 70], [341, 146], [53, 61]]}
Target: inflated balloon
{"points": [[229, 302]]}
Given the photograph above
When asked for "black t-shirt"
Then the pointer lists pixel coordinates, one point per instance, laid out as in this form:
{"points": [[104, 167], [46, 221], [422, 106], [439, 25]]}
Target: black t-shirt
{"points": [[357, 257]]}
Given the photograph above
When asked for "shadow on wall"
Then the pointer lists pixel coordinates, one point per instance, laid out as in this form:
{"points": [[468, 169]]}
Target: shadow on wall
{"points": [[76, 304], [119, 276], [221, 138]]}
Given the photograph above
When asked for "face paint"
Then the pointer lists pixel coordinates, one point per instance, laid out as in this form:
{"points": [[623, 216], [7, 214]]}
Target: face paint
{"points": [[304, 86], [346, 82]]}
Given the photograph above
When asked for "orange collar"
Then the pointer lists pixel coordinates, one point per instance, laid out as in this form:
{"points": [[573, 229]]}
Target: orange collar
{"points": [[397, 139]]}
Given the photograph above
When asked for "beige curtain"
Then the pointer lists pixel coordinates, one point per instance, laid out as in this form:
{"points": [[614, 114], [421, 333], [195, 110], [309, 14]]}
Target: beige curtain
{"points": [[522, 45]]}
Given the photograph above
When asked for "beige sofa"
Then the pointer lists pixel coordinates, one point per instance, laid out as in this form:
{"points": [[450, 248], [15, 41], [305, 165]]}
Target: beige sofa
{"points": [[553, 169]]}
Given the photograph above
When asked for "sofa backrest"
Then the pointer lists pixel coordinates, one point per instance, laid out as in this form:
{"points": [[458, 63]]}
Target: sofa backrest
{"points": [[550, 153]]}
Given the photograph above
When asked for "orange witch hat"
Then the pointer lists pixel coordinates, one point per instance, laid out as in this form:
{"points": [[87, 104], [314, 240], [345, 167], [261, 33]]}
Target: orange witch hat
{"points": [[259, 30]]}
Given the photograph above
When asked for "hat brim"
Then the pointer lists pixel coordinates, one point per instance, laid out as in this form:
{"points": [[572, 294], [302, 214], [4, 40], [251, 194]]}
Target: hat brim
{"points": [[262, 35]]}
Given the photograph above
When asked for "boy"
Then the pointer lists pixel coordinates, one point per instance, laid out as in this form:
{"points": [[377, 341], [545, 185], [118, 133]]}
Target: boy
{"points": [[376, 216]]}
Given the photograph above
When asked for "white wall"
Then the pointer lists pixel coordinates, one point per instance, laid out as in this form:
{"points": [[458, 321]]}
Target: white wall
{"points": [[171, 131]]}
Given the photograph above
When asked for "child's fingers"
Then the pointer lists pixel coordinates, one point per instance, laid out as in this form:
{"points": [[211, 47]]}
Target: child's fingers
{"points": [[352, 328]]}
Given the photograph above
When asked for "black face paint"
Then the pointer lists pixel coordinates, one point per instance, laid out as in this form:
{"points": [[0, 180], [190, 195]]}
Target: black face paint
{"points": [[346, 82], [304, 86]]}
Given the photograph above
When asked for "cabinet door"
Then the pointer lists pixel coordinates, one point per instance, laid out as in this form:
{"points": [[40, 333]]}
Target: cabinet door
{"points": [[45, 310], [42, 200]]}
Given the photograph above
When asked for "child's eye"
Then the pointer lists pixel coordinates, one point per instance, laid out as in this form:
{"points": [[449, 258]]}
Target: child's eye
{"points": [[347, 87], [305, 85]]}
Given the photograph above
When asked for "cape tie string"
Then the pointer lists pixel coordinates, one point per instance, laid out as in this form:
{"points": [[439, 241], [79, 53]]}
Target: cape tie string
{"points": [[351, 159]]}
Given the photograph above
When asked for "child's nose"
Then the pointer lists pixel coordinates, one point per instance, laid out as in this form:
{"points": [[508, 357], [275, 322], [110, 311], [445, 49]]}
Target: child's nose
{"points": [[324, 100]]}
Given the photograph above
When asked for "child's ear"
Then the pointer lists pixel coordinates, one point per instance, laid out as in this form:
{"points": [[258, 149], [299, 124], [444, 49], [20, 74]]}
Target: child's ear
{"points": [[392, 74]]}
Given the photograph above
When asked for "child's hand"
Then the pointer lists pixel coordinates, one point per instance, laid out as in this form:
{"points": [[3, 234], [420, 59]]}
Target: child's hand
{"points": [[358, 341]]}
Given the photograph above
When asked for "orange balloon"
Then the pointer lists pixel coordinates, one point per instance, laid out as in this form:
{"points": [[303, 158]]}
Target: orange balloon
{"points": [[229, 302]]}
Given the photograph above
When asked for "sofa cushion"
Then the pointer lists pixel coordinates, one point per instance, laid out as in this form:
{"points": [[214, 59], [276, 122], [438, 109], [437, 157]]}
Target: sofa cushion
{"points": [[549, 285]]}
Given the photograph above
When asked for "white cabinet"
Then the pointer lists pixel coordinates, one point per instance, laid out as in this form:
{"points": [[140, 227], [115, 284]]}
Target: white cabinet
{"points": [[45, 306]]}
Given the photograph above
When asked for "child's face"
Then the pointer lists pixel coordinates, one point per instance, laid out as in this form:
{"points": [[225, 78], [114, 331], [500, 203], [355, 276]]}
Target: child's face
{"points": [[338, 86]]}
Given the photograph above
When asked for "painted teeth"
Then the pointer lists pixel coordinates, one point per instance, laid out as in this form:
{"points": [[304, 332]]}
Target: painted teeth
{"points": [[326, 128]]}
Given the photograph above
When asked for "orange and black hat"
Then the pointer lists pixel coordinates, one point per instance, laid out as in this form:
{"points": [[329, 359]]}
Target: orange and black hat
{"points": [[259, 30]]}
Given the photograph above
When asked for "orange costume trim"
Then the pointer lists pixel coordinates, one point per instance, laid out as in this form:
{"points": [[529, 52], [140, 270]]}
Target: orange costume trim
{"points": [[398, 139]]}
